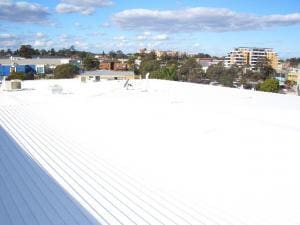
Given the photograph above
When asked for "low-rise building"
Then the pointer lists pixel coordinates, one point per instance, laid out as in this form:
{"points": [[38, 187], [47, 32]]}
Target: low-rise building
{"points": [[113, 64], [98, 75], [36, 66], [294, 75], [207, 62]]}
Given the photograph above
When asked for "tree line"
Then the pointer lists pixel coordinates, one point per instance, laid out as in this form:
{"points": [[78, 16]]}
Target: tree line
{"points": [[187, 69], [27, 51]]}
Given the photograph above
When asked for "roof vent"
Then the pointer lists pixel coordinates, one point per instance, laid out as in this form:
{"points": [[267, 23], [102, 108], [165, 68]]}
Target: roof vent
{"points": [[13, 85], [56, 89]]}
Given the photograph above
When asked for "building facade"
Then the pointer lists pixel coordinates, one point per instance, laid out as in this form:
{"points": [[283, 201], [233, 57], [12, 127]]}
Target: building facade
{"points": [[98, 75], [116, 65], [251, 56], [294, 75]]}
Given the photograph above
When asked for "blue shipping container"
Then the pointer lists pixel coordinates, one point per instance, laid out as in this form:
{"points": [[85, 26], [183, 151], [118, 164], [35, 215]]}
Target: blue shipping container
{"points": [[26, 69], [4, 70]]}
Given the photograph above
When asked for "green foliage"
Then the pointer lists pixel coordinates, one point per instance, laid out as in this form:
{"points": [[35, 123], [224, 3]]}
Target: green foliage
{"points": [[26, 51], [265, 69], [290, 83], [203, 55], [66, 71], [90, 63], [149, 56], [269, 85], [149, 66], [226, 79], [118, 54], [165, 73], [214, 72], [16, 76], [294, 62], [225, 76], [190, 71], [29, 76]]}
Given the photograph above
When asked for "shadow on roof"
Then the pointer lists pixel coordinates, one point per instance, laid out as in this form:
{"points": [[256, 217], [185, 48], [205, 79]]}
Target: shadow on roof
{"points": [[29, 195]]}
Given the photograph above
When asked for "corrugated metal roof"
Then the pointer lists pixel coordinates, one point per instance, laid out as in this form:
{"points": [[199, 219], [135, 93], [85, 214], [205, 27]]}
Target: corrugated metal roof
{"points": [[47, 179]]}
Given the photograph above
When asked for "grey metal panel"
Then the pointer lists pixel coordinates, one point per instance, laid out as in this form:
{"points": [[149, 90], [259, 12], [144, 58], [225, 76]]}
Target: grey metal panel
{"points": [[29, 196]]}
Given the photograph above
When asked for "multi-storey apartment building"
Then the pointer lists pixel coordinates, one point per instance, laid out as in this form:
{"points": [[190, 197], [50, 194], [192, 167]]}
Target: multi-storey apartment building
{"points": [[251, 56]]}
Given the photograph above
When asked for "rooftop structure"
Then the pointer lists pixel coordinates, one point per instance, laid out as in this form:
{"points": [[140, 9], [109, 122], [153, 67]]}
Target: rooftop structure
{"points": [[108, 75]]}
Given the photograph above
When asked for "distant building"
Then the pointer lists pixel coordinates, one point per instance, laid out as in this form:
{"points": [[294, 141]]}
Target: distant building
{"points": [[294, 75], [113, 64], [36, 66], [251, 56], [207, 62], [98, 75], [159, 53]]}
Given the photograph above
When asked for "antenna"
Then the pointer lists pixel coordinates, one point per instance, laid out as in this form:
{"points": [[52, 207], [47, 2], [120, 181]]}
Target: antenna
{"points": [[146, 82]]}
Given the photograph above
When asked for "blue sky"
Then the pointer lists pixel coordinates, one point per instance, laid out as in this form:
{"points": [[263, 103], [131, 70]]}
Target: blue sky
{"points": [[210, 26]]}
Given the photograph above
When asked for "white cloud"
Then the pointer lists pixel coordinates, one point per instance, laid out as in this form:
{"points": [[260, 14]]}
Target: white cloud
{"points": [[23, 12], [7, 36], [145, 36], [161, 37], [8, 40], [85, 7], [42, 44], [40, 35], [148, 36], [120, 38], [198, 19]]}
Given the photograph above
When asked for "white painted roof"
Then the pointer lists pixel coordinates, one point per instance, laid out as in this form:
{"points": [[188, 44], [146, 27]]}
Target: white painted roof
{"points": [[159, 153]]}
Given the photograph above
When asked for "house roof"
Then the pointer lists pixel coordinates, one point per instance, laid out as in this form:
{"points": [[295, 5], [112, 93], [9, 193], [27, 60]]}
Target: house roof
{"points": [[107, 73], [43, 61]]}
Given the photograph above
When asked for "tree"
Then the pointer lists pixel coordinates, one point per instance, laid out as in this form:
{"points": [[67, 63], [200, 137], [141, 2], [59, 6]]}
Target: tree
{"points": [[26, 51], [229, 75], [265, 69], [214, 72], [65, 71], [149, 66], [203, 55], [294, 62], [52, 52], [269, 85], [120, 54], [90, 63], [149, 56], [190, 71], [165, 73], [112, 54]]}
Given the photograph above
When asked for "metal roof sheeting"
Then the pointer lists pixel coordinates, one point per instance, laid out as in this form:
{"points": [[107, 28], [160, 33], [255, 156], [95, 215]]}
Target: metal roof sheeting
{"points": [[47, 179]]}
